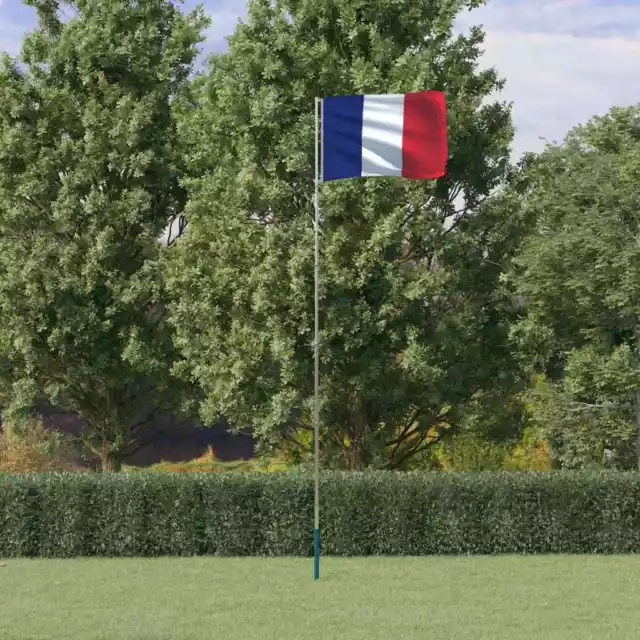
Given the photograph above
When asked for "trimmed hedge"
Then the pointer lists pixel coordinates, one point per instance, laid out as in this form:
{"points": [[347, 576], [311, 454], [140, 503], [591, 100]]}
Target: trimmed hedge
{"points": [[381, 513]]}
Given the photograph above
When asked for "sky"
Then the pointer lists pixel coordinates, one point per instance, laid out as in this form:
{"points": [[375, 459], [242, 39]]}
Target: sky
{"points": [[564, 60]]}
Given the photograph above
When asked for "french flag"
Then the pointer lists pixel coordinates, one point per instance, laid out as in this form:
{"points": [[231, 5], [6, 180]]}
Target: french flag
{"points": [[401, 135]]}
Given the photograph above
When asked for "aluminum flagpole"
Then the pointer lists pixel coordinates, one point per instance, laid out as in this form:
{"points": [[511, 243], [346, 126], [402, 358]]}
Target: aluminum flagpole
{"points": [[316, 351]]}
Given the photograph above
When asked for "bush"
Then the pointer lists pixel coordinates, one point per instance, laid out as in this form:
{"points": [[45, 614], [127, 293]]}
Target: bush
{"points": [[34, 449], [209, 463], [470, 452], [374, 513]]}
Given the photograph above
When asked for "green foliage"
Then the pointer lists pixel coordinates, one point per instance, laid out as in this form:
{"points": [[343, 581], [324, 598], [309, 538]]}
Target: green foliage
{"points": [[30, 447], [89, 159], [373, 513], [414, 318], [475, 452], [208, 463], [581, 435], [579, 273], [466, 453]]}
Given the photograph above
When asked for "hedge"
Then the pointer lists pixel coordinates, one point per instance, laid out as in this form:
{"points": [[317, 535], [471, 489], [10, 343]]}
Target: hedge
{"points": [[377, 513]]}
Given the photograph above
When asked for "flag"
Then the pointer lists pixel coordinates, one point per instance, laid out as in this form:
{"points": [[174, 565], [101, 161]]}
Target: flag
{"points": [[384, 135]]}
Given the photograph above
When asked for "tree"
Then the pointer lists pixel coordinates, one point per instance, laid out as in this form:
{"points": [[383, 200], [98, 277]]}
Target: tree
{"points": [[89, 164], [579, 273], [414, 320]]}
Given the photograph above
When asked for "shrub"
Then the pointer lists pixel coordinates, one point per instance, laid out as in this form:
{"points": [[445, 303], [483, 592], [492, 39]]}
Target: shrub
{"points": [[373, 513], [209, 463], [529, 454], [469, 454], [34, 449], [472, 453]]}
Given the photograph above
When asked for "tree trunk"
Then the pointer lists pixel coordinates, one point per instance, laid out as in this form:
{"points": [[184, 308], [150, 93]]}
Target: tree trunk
{"points": [[354, 456], [109, 461], [111, 464], [356, 453]]}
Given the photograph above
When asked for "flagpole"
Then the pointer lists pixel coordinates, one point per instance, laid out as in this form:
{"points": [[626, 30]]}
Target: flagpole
{"points": [[316, 350]]}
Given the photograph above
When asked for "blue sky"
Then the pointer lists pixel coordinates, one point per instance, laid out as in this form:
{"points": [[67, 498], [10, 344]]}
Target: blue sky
{"points": [[564, 60]]}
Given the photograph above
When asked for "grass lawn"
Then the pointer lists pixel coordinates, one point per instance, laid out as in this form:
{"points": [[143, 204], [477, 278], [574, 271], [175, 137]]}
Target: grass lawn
{"points": [[470, 598]]}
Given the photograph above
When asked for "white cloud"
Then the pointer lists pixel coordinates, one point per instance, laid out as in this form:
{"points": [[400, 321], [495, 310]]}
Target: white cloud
{"points": [[570, 17], [564, 61]]}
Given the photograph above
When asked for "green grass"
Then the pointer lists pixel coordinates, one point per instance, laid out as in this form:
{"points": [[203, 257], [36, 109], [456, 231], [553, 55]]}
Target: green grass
{"points": [[469, 598]]}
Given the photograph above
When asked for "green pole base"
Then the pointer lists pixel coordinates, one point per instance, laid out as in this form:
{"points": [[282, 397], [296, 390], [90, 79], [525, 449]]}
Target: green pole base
{"points": [[316, 554]]}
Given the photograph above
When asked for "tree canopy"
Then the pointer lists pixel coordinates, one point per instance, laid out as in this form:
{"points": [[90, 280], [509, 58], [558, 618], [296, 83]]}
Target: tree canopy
{"points": [[499, 302], [89, 169], [414, 320], [579, 272]]}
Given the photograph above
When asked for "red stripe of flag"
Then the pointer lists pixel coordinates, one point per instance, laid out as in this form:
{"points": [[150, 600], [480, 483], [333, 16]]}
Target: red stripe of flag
{"points": [[424, 135]]}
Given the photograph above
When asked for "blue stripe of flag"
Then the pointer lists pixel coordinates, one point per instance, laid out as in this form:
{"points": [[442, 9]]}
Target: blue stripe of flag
{"points": [[342, 137]]}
